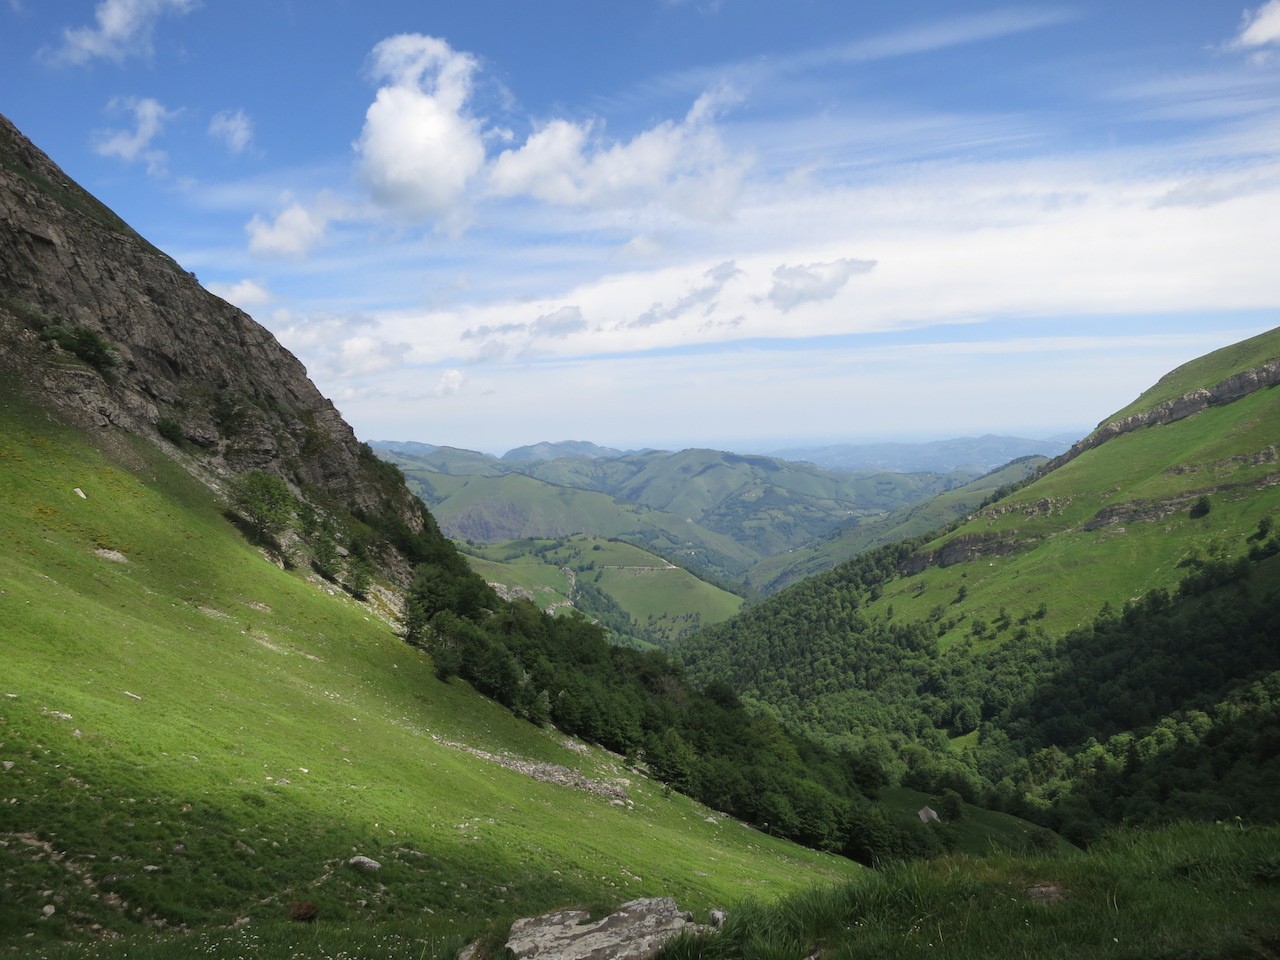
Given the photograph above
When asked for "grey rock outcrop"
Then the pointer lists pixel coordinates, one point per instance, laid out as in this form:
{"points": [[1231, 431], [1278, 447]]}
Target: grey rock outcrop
{"points": [[182, 361], [636, 931], [1233, 388]]}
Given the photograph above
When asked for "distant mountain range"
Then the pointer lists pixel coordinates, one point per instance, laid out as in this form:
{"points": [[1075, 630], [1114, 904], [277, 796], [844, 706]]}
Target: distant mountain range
{"points": [[973, 453], [750, 522], [979, 454]]}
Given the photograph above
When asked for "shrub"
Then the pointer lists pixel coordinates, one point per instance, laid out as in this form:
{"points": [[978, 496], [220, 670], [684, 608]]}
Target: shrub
{"points": [[84, 344], [171, 430], [263, 500]]}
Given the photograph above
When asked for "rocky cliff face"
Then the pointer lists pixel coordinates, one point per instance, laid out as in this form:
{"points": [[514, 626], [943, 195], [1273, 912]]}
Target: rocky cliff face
{"points": [[115, 333]]}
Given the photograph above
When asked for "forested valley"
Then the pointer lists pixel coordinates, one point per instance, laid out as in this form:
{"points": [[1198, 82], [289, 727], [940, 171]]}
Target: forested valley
{"points": [[1168, 708]]}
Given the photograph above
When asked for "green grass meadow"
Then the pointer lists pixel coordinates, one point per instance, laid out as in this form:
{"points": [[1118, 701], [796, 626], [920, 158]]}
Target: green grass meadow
{"points": [[661, 598], [192, 736], [1179, 893], [1152, 478]]}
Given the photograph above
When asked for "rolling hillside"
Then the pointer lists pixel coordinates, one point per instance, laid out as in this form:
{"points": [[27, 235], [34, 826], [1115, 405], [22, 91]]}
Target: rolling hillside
{"points": [[200, 730], [191, 734], [1076, 649], [640, 597], [774, 573], [711, 511]]}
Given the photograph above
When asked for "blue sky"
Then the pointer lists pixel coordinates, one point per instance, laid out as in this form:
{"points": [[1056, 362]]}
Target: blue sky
{"points": [[727, 223]]}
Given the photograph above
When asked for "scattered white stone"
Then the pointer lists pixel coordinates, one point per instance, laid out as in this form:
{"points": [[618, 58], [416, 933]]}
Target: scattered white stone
{"points": [[150, 868], [364, 863], [8, 765], [48, 910], [80, 494], [115, 556], [133, 695]]}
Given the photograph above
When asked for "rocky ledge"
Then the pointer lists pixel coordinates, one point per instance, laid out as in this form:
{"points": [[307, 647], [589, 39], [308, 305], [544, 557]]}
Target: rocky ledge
{"points": [[1232, 388]]}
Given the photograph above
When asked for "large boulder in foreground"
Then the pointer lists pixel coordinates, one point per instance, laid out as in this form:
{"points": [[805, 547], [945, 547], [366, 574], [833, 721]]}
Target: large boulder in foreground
{"points": [[636, 931]]}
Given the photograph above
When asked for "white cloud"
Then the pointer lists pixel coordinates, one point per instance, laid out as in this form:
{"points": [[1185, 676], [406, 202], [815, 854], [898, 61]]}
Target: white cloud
{"points": [[150, 117], [793, 286], [501, 339], [234, 129], [682, 165], [451, 382], [559, 324], [1261, 26], [419, 148], [363, 355], [124, 28], [245, 294], [702, 295], [294, 231]]}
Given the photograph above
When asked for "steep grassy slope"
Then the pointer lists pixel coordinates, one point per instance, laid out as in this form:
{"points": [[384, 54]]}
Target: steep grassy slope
{"points": [[919, 518], [191, 734], [1204, 372], [1095, 647], [1108, 525]]}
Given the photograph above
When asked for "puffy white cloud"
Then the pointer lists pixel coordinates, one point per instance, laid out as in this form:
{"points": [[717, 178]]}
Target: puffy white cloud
{"points": [[1261, 26], [149, 116], [245, 294], [683, 165], [420, 148], [451, 382], [123, 28], [793, 286], [234, 129], [294, 231]]}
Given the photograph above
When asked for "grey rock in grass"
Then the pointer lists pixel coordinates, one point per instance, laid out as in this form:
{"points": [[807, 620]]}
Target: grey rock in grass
{"points": [[364, 863], [48, 910], [636, 931]]}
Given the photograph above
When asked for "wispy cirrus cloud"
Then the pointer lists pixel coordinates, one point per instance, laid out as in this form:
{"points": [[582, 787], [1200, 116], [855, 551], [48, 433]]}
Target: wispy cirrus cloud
{"points": [[122, 29]]}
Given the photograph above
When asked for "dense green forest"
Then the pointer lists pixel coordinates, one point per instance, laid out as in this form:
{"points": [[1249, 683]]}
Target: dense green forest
{"points": [[1167, 708], [705, 744]]}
